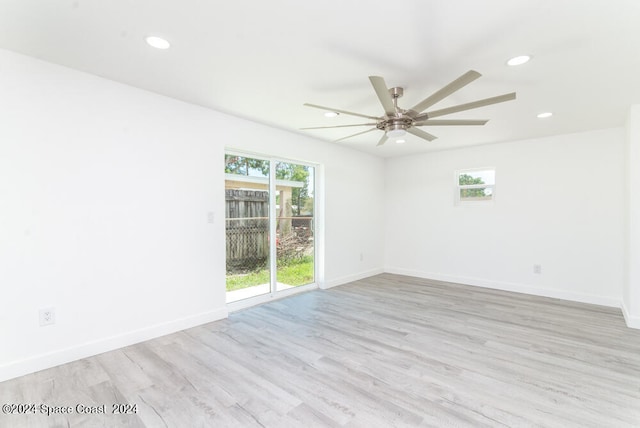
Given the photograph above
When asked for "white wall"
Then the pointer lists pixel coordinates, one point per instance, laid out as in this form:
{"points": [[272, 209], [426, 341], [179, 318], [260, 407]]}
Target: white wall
{"points": [[104, 194], [559, 203], [631, 296]]}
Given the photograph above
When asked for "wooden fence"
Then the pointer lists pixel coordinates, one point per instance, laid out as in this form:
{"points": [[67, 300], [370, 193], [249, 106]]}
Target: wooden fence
{"points": [[247, 227], [247, 224]]}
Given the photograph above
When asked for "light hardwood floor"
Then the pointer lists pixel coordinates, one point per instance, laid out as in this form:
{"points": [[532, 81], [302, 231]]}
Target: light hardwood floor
{"points": [[387, 351]]}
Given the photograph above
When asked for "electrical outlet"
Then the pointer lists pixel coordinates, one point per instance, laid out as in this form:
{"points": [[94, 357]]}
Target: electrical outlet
{"points": [[361, 256], [211, 217], [47, 316], [537, 269]]}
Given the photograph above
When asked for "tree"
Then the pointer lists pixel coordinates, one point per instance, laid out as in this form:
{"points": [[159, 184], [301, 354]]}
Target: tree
{"points": [[465, 180], [295, 172], [242, 165]]}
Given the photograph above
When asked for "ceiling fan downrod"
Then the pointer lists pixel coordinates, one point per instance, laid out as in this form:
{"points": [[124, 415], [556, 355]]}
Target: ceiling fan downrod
{"points": [[396, 93]]}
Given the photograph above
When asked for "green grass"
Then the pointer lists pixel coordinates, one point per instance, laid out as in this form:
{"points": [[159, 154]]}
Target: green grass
{"points": [[295, 273], [236, 282]]}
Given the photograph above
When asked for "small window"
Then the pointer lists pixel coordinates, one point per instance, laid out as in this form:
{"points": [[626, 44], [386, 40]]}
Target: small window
{"points": [[475, 186]]}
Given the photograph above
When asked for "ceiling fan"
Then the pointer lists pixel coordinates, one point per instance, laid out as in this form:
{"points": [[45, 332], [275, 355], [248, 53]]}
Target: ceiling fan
{"points": [[396, 121]]}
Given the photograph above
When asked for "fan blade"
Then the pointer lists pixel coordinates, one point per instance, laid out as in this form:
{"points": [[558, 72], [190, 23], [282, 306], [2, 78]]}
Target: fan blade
{"points": [[468, 106], [341, 126], [383, 139], [340, 111], [383, 95], [452, 87], [353, 135], [420, 133], [450, 122]]}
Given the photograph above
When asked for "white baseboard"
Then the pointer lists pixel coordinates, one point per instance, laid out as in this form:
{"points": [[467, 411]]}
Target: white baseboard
{"points": [[350, 278], [631, 320], [514, 287], [62, 356]]}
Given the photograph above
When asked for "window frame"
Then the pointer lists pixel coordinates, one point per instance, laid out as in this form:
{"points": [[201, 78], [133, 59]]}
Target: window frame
{"points": [[459, 187]]}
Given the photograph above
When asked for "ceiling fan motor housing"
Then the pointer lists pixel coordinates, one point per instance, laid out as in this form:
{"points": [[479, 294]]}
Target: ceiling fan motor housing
{"points": [[395, 124]]}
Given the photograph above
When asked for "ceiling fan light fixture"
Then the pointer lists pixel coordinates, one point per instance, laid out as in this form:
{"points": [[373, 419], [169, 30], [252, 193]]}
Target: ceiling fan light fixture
{"points": [[545, 115], [157, 42], [519, 60], [331, 114], [395, 133], [400, 141]]}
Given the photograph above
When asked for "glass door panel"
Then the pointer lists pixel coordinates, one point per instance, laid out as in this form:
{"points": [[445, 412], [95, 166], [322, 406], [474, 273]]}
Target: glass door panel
{"points": [[295, 249], [247, 227]]}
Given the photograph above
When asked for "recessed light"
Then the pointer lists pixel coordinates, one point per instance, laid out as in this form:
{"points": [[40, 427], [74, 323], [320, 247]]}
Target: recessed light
{"points": [[331, 114], [158, 42], [518, 60], [400, 141], [545, 115]]}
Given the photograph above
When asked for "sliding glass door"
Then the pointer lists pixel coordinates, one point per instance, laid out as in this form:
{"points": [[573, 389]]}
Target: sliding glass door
{"points": [[295, 249], [269, 207], [247, 227]]}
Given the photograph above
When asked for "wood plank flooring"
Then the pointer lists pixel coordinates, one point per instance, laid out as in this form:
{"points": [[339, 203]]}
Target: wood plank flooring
{"points": [[387, 351]]}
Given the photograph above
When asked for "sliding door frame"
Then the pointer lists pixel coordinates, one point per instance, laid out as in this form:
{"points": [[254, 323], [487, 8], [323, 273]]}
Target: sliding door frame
{"points": [[318, 232]]}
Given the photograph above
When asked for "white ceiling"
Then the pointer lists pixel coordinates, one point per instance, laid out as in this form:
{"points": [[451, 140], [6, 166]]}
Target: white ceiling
{"points": [[262, 60]]}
